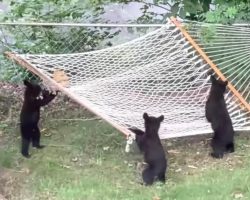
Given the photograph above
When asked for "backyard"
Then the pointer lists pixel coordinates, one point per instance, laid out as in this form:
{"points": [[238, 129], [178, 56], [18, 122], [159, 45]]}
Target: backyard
{"points": [[85, 159]]}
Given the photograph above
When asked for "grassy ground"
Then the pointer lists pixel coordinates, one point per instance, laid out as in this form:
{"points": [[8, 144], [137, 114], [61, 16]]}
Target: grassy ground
{"points": [[85, 160]]}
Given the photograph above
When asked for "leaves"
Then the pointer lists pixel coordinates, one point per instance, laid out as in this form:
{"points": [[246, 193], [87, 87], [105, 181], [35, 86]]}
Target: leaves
{"points": [[206, 5], [231, 12], [3, 125], [175, 9], [56, 39], [228, 12], [36, 40]]}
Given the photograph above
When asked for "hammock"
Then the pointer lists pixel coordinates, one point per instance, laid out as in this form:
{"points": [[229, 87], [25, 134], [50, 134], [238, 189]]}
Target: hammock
{"points": [[165, 72]]}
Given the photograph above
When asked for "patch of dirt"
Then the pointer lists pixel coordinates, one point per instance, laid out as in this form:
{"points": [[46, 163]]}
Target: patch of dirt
{"points": [[8, 184], [9, 101]]}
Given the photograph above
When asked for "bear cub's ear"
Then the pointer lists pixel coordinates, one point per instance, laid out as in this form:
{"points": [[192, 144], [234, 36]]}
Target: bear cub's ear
{"points": [[225, 83], [27, 83], [145, 116], [161, 118], [213, 79]]}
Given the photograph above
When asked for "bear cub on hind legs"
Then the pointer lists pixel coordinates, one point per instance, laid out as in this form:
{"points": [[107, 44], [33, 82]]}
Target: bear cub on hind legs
{"points": [[150, 145], [217, 114], [30, 115]]}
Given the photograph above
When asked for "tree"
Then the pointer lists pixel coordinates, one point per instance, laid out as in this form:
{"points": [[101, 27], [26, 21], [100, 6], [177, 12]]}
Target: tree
{"points": [[49, 39], [190, 9], [37, 39], [220, 11], [228, 12]]}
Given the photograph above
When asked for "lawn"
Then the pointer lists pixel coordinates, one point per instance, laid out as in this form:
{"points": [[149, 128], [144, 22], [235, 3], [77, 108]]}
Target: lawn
{"points": [[85, 160]]}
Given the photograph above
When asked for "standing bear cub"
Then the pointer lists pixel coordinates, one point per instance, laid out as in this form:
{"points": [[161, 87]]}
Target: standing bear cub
{"points": [[150, 145], [217, 114], [30, 115]]}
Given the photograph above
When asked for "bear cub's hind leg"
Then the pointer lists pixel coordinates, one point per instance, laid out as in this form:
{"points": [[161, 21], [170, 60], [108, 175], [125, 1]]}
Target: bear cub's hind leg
{"points": [[25, 147], [36, 138]]}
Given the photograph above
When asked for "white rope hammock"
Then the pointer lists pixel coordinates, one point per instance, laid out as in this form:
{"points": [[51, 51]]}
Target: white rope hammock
{"points": [[160, 73]]}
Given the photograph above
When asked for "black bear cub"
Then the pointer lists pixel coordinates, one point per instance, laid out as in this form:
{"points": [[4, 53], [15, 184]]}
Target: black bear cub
{"points": [[217, 114], [30, 115], [150, 145]]}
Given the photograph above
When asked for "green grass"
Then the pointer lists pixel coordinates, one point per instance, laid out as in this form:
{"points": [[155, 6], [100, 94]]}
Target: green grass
{"points": [[77, 165]]}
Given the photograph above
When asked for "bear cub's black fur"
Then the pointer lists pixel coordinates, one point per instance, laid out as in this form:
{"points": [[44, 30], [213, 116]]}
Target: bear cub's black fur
{"points": [[30, 115], [217, 114], [150, 145]]}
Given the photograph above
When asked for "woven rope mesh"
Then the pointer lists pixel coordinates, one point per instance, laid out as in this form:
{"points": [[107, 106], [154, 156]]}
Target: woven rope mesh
{"points": [[159, 73]]}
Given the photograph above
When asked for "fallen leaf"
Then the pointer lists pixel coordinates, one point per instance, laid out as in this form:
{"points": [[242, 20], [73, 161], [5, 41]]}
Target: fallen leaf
{"points": [[75, 159], [26, 170], [178, 170], [65, 166], [61, 77], [173, 151], [47, 134], [130, 165], [193, 167], [44, 129], [156, 198], [238, 195], [106, 148]]}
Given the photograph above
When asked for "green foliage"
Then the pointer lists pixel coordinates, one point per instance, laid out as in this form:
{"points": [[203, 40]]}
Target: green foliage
{"points": [[3, 125], [51, 10], [38, 39], [228, 12], [11, 72], [207, 34], [224, 12], [184, 8], [27, 39]]}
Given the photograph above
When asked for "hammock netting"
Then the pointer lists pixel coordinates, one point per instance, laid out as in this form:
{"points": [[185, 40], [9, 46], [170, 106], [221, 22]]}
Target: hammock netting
{"points": [[160, 73]]}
